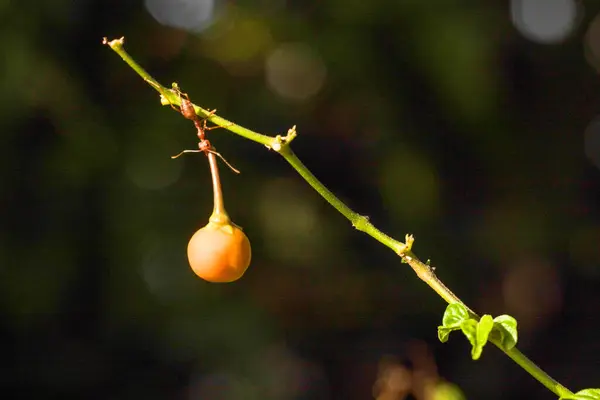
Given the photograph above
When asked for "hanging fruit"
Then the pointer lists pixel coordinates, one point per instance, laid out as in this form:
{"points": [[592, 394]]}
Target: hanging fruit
{"points": [[220, 251]]}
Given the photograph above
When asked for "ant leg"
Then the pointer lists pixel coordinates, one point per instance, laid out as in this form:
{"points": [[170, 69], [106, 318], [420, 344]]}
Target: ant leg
{"points": [[184, 95], [171, 104], [173, 107], [160, 89], [187, 151], [224, 160], [219, 126], [208, 115], [211, 113]]}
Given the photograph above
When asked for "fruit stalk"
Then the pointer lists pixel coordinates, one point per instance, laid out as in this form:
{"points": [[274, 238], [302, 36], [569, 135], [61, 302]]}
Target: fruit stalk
{"points": [[219, 215]]}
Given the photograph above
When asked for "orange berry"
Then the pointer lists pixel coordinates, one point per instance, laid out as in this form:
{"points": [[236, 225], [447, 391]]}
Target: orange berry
{"points": [[219, 252]]}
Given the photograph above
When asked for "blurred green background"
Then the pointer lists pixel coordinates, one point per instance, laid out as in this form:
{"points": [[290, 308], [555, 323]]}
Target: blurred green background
{"points": [[471, 124]]}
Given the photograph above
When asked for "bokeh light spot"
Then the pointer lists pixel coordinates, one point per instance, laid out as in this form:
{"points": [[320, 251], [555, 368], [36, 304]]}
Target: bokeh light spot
{"points": [[532, 290], [410, 186], [592, 142], [290, 222], [547, 22], [221, 385], [238, 42], [162, 280], [584, 250], [147, 172], [295, 71], [592, 43], [192, 15]]}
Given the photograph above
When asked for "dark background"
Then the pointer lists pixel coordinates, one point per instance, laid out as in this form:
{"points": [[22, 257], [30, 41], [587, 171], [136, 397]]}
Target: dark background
{"points": [[463, 123]]}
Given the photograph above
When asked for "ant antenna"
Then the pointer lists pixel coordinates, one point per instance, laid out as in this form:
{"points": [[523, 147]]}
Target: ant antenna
{"points": [[209, 151]]}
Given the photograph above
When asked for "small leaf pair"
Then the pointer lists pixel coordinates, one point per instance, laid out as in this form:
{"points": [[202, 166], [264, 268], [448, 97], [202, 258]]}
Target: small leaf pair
{"points": [[457, 317]]}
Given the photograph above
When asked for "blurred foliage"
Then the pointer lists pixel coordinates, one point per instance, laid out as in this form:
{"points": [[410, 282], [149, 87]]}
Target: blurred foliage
{"points": [[435, 118]]}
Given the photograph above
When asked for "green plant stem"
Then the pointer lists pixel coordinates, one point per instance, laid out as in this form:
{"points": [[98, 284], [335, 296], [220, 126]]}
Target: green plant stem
{"points": [[360, 222], [282, 145], [535, 371]]}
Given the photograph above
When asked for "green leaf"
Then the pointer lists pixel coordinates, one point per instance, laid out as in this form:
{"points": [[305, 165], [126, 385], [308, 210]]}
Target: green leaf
{"points": [[482, 332], [454, 315], [444, 333], [585, 394], [507, 327], [469, 328]]}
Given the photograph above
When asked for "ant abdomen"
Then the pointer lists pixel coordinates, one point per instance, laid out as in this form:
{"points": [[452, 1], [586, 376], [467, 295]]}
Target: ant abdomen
{"points": [[187, 109]]}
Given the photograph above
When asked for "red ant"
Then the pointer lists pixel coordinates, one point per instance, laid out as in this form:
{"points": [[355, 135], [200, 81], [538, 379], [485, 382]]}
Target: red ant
{"points": [[187, 110]]}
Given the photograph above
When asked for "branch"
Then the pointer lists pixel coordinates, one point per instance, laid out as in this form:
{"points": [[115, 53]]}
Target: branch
{"points": [[281, 145]]}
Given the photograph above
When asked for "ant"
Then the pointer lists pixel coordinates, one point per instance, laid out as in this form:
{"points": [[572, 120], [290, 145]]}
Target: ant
{"points": [[187, 110]]}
